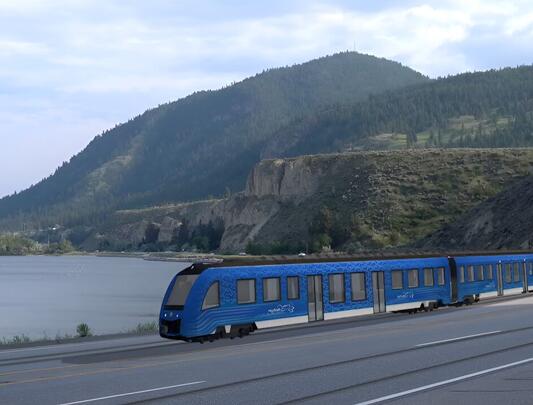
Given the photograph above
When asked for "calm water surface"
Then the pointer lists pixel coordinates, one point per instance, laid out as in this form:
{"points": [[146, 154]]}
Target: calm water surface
{"points": [[45, 296]]}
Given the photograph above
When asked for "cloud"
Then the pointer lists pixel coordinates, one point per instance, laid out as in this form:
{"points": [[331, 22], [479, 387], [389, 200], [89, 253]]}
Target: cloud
{"points": [[25, 7], [100, 51], [522, 24], [10, 47], [73, 68]]}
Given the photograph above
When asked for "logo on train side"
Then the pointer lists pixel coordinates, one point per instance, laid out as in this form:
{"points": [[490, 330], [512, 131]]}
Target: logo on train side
{"points": [[281, 308], [407, 294]]}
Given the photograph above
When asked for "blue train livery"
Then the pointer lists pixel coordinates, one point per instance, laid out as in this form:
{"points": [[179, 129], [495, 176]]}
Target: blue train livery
{"points": [[211, 301]]}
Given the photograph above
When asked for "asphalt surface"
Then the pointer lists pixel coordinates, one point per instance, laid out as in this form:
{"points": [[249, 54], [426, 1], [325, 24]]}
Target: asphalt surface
{"points": [[477, 354]]}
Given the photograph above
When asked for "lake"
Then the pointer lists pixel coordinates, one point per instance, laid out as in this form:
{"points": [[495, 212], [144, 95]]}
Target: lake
{"points": [[48, 296]]}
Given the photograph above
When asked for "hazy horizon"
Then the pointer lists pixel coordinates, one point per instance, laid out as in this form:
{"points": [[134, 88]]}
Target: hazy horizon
{"points": [[70, 72]]}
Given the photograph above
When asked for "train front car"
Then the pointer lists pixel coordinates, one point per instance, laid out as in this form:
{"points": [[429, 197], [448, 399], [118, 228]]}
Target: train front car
{"points": [[206, 302]]}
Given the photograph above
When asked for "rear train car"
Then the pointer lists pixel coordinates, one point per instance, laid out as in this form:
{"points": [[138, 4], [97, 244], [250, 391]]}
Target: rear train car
{"points": [[489, 276], [207, 302]]}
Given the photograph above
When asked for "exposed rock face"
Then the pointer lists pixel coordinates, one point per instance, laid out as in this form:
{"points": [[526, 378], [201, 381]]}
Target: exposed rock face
{"points": [[285, 179], [387, 198], [502, 222], [167, 229], [243, 217]]}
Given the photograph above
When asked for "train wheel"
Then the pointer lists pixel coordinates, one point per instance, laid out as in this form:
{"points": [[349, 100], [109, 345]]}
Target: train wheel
{"points": [[220, 332], [241, 330]]}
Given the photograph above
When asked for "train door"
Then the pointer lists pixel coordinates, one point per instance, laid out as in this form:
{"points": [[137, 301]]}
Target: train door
{"points": [[499, 279], [315, 304], [378, 288], [524, 278], [529, 267], [453, 278]]}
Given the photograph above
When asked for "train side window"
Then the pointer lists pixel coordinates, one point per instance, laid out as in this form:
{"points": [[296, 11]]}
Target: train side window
{"points": [[293, 288], [246, 291], [461, 274], [441, 276], [358, 286], [212, 298], [479, 273], [516, 272], [271, 289], [489, 272], [508, 275], [397, 279], [470, 273], [336, 288], [412, 278], [428, 278]]}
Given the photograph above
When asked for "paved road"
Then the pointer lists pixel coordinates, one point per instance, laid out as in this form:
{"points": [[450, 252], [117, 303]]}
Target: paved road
{"points": [[477, 354]]}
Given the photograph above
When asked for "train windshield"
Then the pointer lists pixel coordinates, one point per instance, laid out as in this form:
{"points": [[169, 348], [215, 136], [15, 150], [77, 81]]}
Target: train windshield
{"points": [[181, 290]]}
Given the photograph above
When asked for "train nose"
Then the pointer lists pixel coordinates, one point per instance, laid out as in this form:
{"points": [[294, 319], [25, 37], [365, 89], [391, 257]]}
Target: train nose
{"points": [[169, 323], [169, 328]]}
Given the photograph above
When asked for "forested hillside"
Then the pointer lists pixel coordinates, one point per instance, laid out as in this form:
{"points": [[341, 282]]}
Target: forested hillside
{"points": [[202, 145], [485, 109]]}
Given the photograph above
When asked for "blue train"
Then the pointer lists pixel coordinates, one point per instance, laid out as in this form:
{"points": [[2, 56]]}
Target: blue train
{"points": [[211, 301]]}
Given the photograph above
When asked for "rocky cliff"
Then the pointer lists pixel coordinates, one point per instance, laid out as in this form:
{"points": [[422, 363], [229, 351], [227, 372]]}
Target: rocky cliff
{"points": [[347, 201]]}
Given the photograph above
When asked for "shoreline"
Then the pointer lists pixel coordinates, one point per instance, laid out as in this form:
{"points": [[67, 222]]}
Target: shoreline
{"points": [[39, 342], [142, 329], [129, 255]]}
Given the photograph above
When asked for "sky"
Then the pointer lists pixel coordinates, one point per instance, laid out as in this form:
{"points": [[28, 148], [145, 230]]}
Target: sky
{"points": [[71, 69]]}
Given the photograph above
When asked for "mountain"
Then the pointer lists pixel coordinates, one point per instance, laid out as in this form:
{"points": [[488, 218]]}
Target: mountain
{"points": [[502, 222], [198, 146], [483, 109]]}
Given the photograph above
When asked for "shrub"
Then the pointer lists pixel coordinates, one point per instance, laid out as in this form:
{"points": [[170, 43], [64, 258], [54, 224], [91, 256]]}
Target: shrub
{"points": [[20, 339], [83, 330], [147, 327]]}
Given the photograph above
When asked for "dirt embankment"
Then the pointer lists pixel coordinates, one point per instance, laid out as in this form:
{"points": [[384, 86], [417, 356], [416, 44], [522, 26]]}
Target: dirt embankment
{"points": [[502, 222]]}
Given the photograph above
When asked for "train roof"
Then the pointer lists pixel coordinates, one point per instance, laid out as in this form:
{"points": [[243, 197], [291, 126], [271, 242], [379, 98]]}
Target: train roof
{"points": [[487, 258], [200, 266]]}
